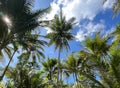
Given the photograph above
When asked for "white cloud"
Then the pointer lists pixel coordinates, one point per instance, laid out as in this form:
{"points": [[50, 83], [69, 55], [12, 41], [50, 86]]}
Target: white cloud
{"points": [[81, 9], [108, 4], [88, 29], [48, 30], [54, 10]]}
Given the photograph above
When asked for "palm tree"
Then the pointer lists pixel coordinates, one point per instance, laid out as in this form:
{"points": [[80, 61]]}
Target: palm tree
{"points": [[23, 20], [104, 59], [98, 49], [97, 45], [71, 66], [60, 34], [114, 57], [50, 70], [25, 76], [22, 17], [114, 66], [100, 61], [32, 47], [79, 64]]}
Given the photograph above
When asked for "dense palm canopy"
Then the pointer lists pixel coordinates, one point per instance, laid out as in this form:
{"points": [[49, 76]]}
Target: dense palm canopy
{"points": [[25, 75]]}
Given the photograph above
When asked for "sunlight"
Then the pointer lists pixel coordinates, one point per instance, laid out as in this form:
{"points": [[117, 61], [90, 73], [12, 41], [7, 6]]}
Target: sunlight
{"points": [[7, 20]]}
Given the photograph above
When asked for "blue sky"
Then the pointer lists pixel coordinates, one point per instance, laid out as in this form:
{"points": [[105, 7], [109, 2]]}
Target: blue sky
{"points": [[92, 16]]}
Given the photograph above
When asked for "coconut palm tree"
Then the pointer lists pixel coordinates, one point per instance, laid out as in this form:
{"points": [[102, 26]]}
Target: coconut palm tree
{"points": [[25, 75], [21, 21], [98, 50], [22, 18], [91, 62], [50, 70], [71, 65], [60, 34], [114, 67], [79, 65], [32, 47], [104, 59]]}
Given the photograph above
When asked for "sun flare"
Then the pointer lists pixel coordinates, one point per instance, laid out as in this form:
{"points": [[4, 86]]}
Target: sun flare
{"points": [[7, 20]]}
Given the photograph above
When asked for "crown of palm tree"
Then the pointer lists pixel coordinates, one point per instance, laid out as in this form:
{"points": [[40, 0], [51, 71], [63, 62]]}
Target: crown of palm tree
{"points": [[60, 34], [97, 45]]}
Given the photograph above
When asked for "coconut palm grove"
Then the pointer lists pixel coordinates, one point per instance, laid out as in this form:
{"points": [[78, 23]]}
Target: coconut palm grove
{"points": [[59, 44]]}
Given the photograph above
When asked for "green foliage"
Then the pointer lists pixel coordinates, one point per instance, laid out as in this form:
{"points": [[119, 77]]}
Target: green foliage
{"points": [[97, 45], [20, 31], [50, 70]]}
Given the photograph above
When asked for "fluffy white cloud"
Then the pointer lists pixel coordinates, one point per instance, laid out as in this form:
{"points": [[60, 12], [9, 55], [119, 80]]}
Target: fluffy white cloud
{"points": [[81, 9], [54, 10], [88, 29], [108, 4]]}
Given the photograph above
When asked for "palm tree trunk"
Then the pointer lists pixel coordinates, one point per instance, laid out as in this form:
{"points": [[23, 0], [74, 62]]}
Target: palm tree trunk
{"points": [[2, 76], [58, 86], [76, 80], [50, 75]]}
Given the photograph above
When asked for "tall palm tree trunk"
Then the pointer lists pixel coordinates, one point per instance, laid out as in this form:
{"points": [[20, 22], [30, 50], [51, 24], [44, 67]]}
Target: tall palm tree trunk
{"points": [[2, 76], [58, 74], [76, 80]]}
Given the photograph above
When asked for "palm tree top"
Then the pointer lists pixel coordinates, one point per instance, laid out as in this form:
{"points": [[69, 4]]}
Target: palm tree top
{"points": [[98, 45], [60, 24], [60, 28]]}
